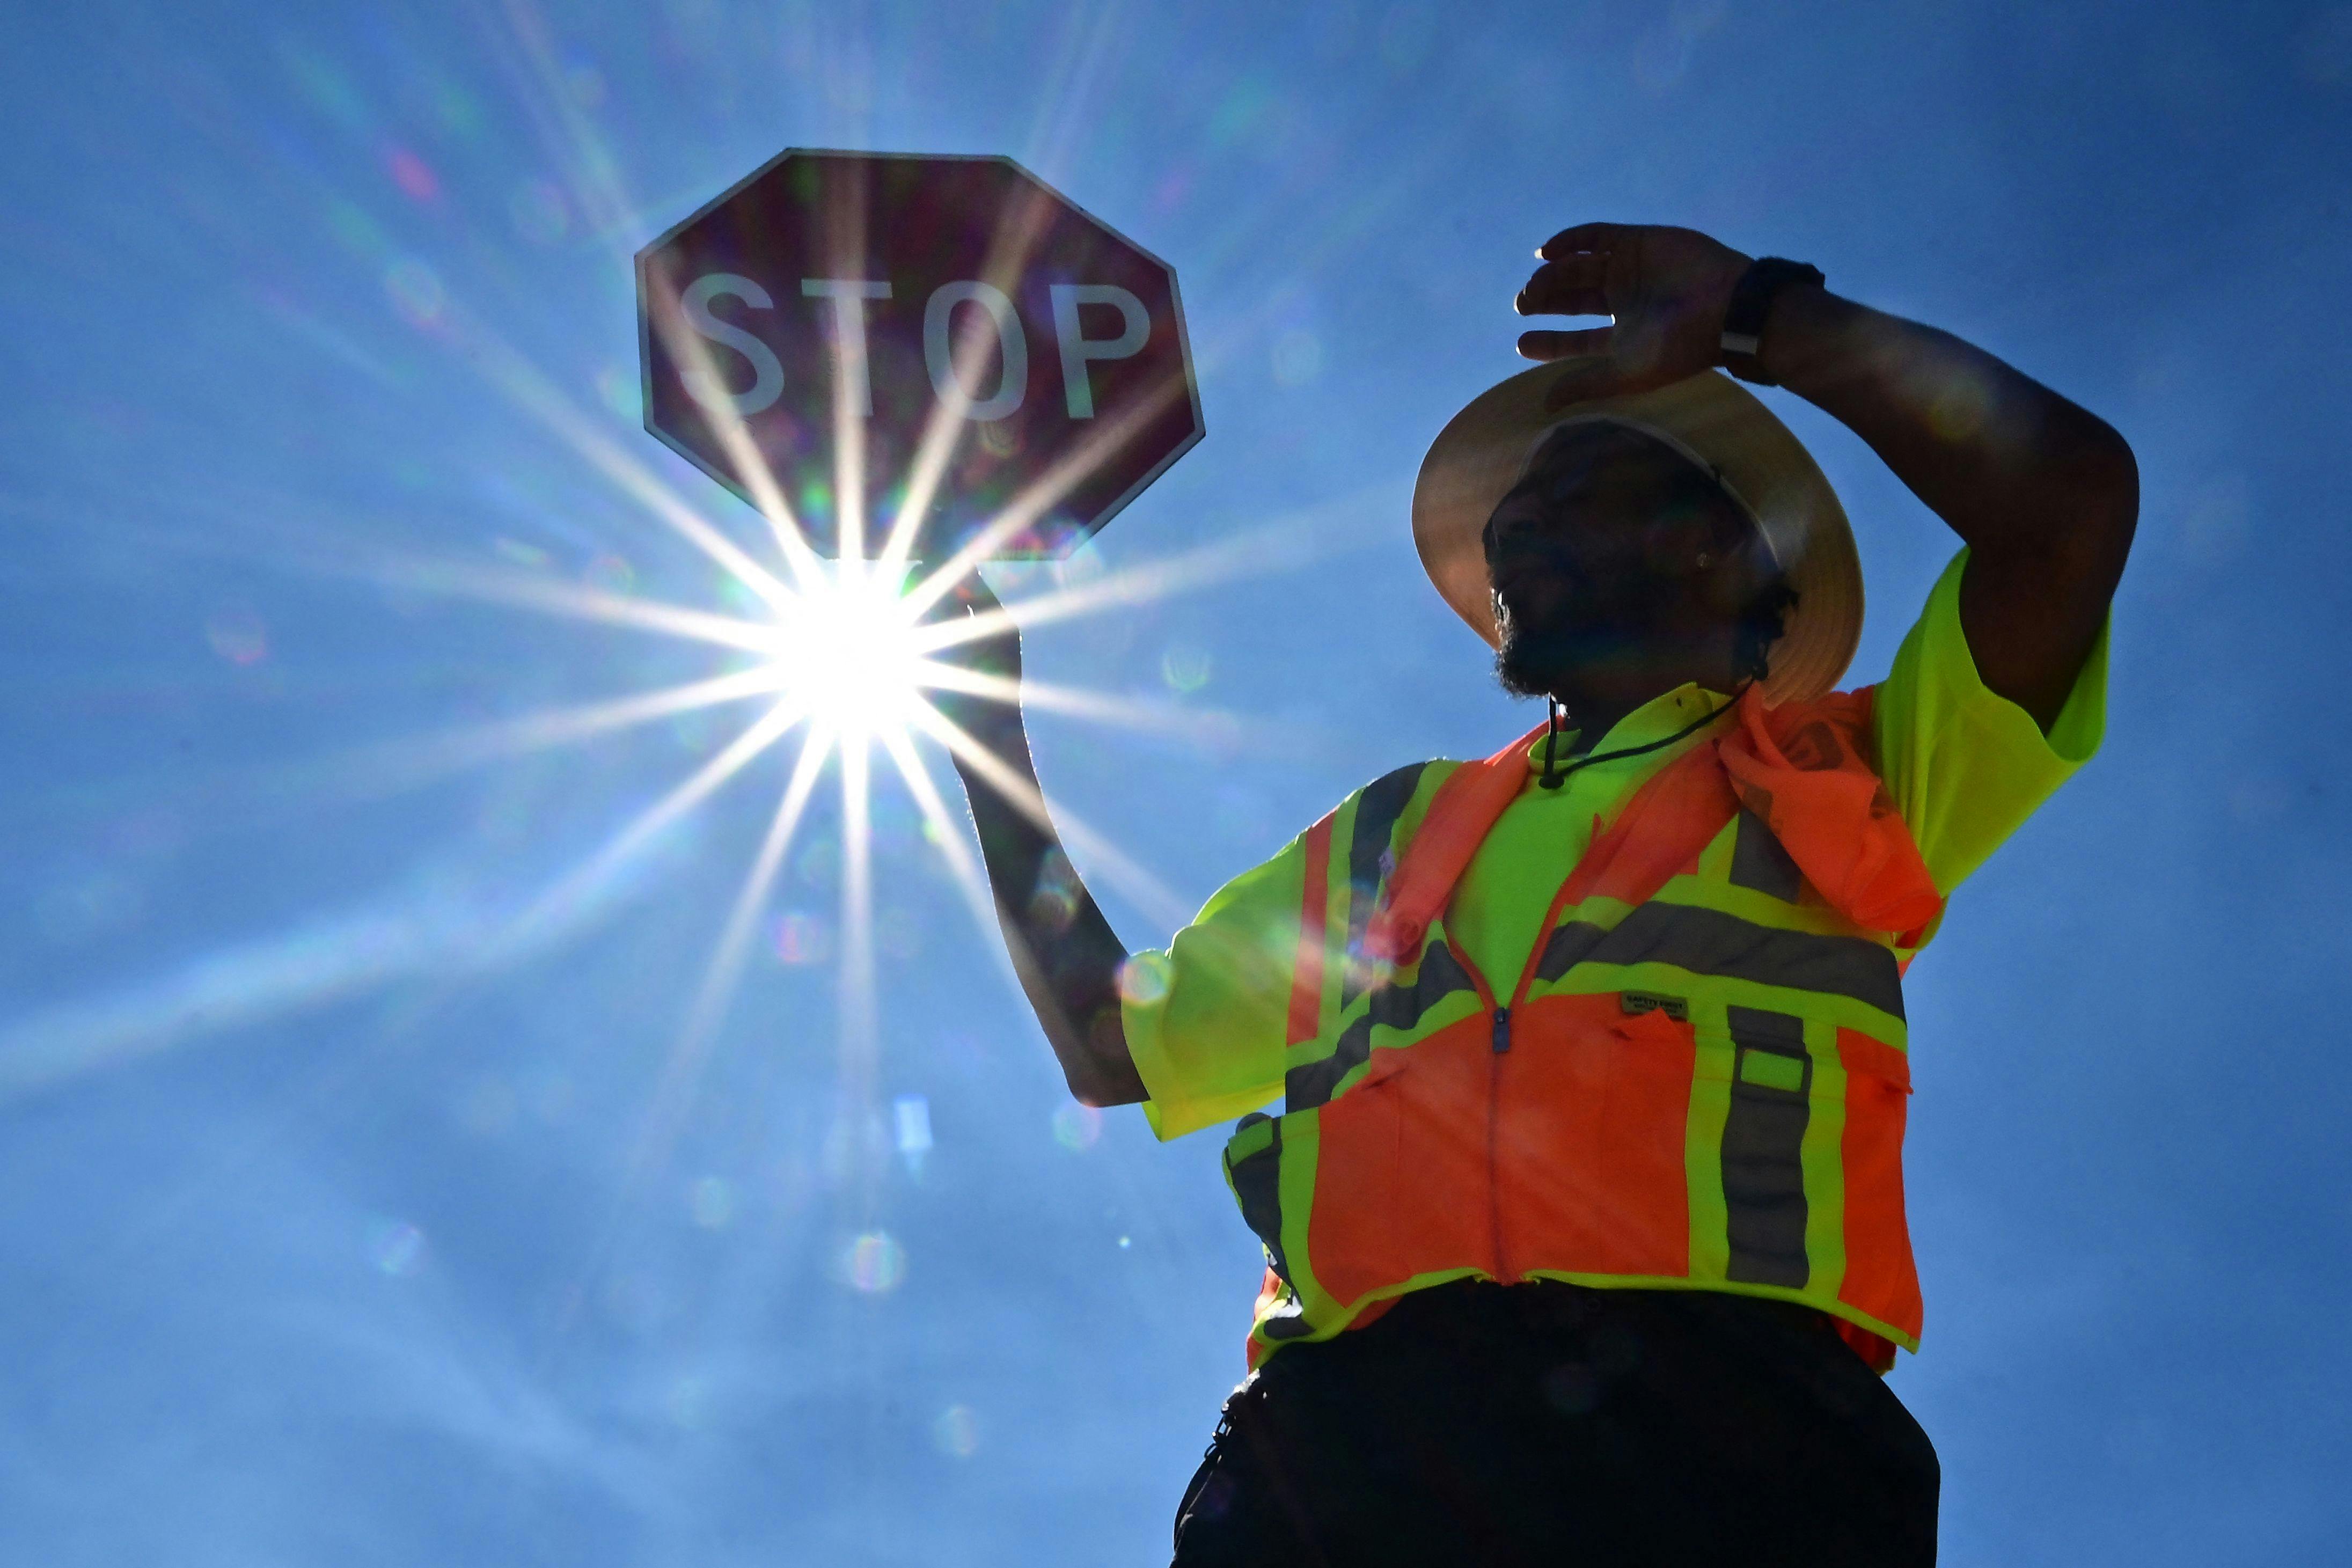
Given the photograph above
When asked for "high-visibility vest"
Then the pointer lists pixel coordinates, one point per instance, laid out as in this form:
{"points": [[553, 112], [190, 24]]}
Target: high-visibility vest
{"points": [[1698, 1080]]}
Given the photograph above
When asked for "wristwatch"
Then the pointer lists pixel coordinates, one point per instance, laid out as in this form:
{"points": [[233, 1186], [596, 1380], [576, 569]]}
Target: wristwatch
{"points": [[1751, 301]]}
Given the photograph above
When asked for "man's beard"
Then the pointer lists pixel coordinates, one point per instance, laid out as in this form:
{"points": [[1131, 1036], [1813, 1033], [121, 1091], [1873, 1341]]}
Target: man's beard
{"points": [[1540, 660], [1529, 664]]}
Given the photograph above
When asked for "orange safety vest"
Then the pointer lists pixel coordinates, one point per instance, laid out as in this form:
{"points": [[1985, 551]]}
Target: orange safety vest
{"points": [[1697, 1081]]}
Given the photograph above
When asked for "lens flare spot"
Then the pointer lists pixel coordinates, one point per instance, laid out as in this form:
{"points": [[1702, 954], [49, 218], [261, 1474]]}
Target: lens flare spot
{"points": [[237, 635], [1055, 900], [736, 598], [1053, 907], [611, 573], [526, 555], [1959, 408], [1186, 670], [799, 938], [956, 1432], [413, 174], [711, 1201], [617, 389], [875, 1263], [912, 1115], [1143, 979], [416, 290], [395, 1247], [1077, 1127]]}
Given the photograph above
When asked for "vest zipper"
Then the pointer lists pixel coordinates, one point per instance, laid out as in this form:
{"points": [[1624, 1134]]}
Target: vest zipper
{"points": [[1493, 1131], [1502, 1044], [1501, 1037]]}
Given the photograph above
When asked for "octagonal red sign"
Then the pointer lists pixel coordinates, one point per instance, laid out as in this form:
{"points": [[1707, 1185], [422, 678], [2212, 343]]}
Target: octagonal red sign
{"points": [[847, 336]]}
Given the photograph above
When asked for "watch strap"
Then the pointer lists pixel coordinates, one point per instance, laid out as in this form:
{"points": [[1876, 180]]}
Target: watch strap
{"points": [[1751, 302]]}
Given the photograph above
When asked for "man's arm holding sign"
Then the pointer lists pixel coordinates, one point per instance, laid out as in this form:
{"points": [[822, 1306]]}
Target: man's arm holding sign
{"points": [[1068, 957]]}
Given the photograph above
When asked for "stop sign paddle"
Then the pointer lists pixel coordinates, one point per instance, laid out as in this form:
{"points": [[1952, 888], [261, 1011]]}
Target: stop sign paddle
{"points": [[847, 338]]}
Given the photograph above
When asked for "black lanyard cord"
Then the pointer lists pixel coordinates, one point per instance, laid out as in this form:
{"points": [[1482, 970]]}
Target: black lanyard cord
{"points": [[1552, 780]]}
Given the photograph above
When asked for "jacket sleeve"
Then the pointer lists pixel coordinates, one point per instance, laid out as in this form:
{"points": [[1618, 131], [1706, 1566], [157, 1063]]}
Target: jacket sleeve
{"points": [[1207, 1018], [1966, 766]]}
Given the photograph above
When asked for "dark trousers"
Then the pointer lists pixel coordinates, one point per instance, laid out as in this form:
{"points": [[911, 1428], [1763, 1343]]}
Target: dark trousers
{"points": [[1550, 1423]]}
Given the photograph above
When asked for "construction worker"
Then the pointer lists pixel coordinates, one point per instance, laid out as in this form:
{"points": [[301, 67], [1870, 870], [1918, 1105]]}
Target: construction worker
{"points": [[1584, 1215]]}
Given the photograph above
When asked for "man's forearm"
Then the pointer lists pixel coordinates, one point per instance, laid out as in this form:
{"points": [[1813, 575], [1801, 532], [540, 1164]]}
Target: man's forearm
{"points": [[2046, 493], [2006, 461], [1063, 951]]}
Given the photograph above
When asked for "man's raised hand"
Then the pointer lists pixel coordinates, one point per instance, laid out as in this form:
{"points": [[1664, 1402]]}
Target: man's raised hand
{"points": [[1667, 290], [979, 690]]}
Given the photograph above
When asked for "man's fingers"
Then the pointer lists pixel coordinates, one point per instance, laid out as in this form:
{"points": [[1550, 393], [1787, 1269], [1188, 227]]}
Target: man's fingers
{"points": [[973, 590], [1584, 236], [1591, 343], [1580, 383], [1564, 289], [1580, 270]]}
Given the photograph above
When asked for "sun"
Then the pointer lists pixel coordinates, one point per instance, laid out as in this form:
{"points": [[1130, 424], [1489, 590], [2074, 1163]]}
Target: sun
{"points": [[846, 652]]}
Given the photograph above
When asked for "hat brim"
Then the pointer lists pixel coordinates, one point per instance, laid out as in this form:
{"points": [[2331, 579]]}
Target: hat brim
{"points": [[1483, 450]]}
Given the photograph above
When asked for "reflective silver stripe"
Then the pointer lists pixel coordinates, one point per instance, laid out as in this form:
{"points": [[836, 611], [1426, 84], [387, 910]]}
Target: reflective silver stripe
{"points": [[1763, 1142], [1759, 862], [1708, 942], [1377, 810], [1441, 975], [1256, 1181], [1288, 1320]]}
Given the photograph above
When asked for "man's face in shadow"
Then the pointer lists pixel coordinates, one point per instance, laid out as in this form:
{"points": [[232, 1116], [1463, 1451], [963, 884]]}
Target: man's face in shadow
{"points": [[1620, 570]]}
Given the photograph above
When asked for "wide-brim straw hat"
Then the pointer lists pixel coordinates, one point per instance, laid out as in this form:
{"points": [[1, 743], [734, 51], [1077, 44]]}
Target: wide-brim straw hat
{"points": [[1485, 449]]}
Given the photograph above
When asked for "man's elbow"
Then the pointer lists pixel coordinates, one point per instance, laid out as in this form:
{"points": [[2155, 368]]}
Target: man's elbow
{"points": [[1101, 1089], [2102, 476], [2088, 504], [1099, 1069], [1099, 1096]]}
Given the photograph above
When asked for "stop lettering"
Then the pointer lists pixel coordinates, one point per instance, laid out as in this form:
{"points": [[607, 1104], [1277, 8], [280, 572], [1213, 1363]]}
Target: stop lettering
{"points": [[839, 323]]}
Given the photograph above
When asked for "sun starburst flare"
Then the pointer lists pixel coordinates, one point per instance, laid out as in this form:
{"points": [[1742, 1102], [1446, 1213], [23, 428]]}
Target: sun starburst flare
{"points": [[829, 662]]}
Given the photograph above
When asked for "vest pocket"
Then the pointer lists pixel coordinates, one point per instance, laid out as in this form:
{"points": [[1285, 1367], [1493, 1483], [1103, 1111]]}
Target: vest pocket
{"points": [[1401, 1174], [1591, 1119], [1880, 1276]]}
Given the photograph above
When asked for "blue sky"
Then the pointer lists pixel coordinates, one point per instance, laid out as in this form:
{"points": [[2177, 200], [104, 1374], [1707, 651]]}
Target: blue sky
{"points": [[332, 1227]]}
